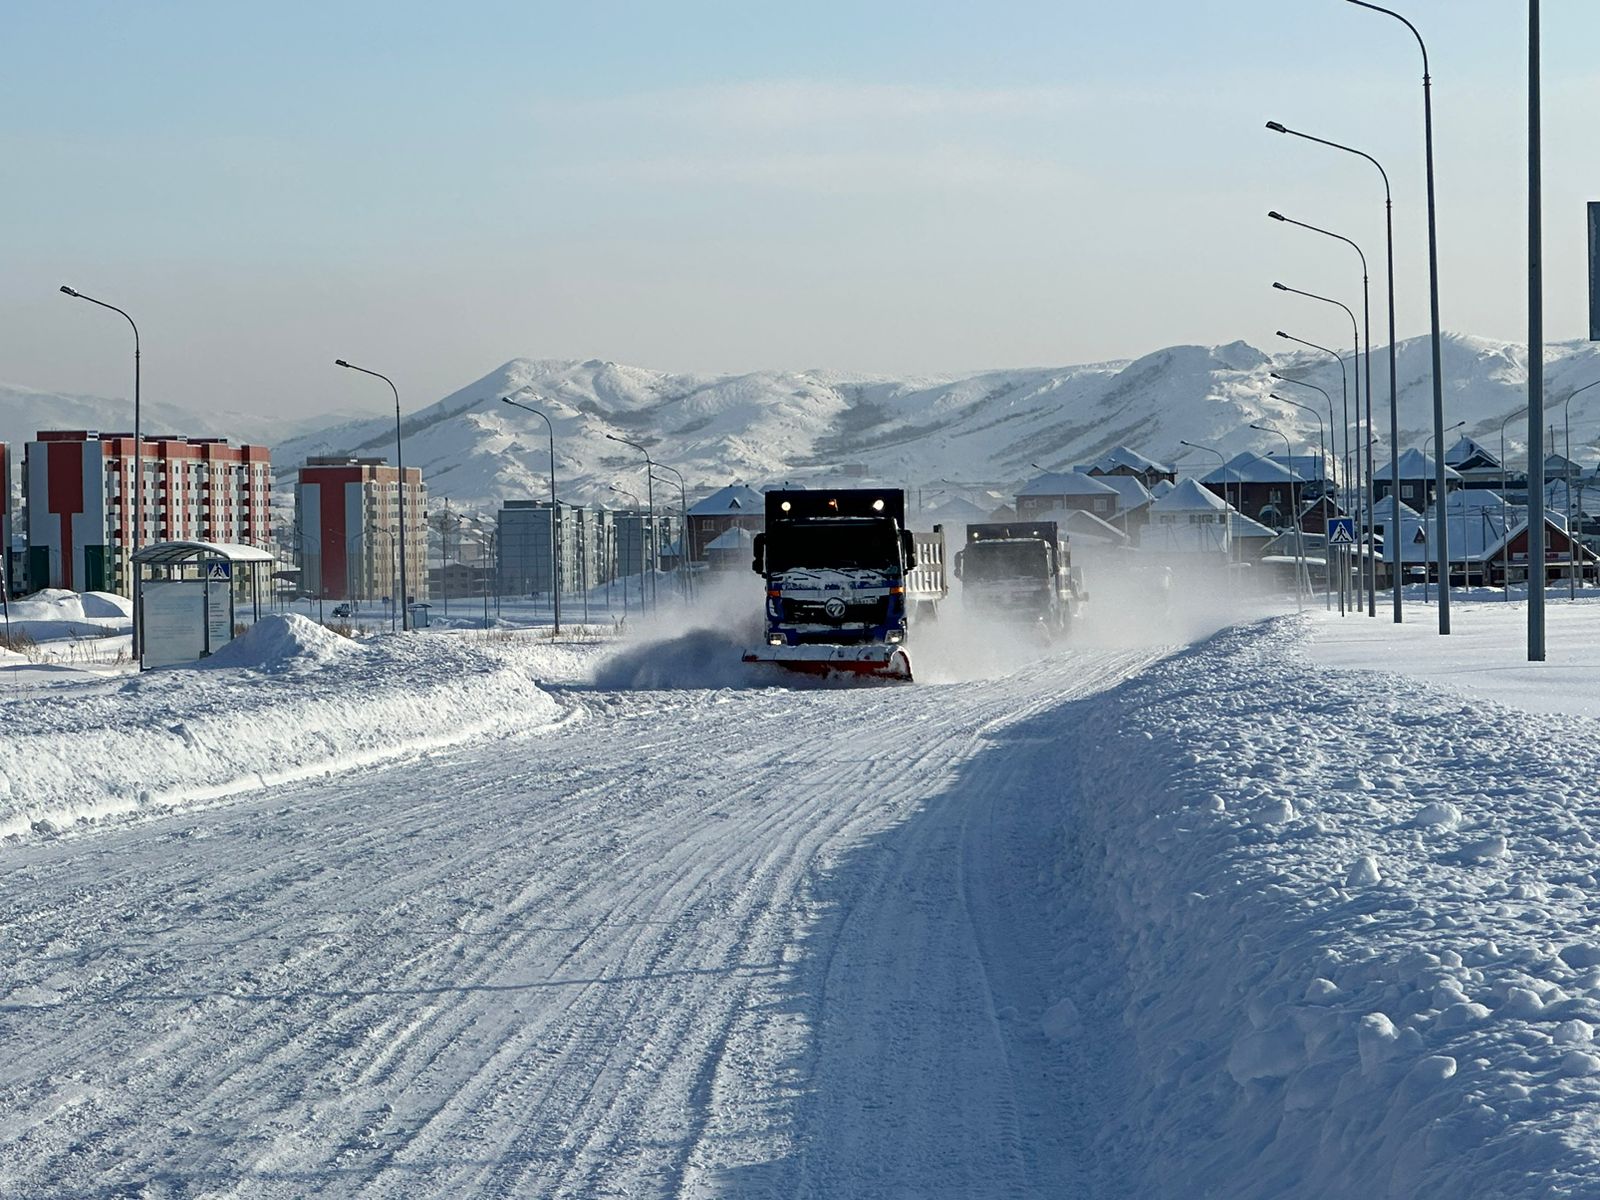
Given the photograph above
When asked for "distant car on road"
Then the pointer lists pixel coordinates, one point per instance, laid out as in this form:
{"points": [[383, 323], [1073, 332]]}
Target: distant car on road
{"points": [[341, 610]]}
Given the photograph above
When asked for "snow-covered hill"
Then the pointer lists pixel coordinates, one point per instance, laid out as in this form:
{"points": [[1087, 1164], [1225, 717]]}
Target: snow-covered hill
{"points": [[768, 426], [988, 428]]}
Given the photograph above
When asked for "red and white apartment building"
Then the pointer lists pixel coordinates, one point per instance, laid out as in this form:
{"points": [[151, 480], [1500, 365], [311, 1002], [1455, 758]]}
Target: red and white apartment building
{"points": [[347, 513], [79, 492]]}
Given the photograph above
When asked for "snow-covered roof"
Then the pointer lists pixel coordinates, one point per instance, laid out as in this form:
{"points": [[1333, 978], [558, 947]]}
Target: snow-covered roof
{"points": [[1085, 526], [1131, 491], [1414, 464], [1252, 468], [734, 500], [1248, 527], [170, 553], [734, 538], [1465, 450], [1162, 487], [1066, 483], [1128, 459], [1189, 496], [954, 508]]}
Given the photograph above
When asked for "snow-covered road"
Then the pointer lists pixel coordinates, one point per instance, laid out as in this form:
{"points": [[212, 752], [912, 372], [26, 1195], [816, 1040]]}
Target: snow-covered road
{"points": [[689, 942]]}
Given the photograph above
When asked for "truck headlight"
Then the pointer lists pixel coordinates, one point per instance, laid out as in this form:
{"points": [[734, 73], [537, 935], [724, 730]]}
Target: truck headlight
{"points": [[775, 639], [895, 635]]}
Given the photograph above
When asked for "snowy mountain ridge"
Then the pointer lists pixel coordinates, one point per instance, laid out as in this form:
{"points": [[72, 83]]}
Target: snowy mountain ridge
{"points": [[994, 429]]}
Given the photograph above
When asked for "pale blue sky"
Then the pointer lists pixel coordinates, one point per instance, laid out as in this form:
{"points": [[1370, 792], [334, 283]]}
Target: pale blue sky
{"points": [[716, 187]]}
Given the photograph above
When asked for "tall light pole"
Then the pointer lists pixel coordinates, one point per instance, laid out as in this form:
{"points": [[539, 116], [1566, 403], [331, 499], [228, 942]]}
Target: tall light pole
{"points": [[650, 493], [555, 516], [1505, 521], [683, 527], [134, 590], [400, 465], [1363, 561], [611, 487], [1535, 352], [1566, 477], [1344, 574], [1294, 505], [1332, 448], [1394, 412], [1223, 467], [1322, 473], [1433, 298], [1441, 511], [1370, 566]]}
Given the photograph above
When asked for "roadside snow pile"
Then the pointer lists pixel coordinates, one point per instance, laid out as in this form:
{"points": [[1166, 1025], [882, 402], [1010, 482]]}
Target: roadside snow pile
{"points": [[279, 644], [312, 706], [1363, 954]]}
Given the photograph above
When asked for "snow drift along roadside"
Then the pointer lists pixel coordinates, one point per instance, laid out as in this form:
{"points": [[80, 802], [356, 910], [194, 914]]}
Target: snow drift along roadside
{"points": [[286, 700], [1361, 956]]}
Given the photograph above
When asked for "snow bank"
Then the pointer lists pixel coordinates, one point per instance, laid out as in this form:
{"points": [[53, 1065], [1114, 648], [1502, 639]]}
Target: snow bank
{"points": [[1362, 956], [58, 615], [279, 644], [286, 701]]}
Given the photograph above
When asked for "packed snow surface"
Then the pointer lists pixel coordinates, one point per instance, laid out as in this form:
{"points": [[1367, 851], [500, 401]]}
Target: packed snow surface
{"points": [[1173, 915]]}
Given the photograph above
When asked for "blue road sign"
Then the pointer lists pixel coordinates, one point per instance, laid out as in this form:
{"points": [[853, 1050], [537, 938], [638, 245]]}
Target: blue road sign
{"points": [[1341, 531]]}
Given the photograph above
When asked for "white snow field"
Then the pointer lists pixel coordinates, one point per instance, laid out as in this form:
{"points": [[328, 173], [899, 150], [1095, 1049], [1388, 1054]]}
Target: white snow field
{"points": [[1113, 920]]}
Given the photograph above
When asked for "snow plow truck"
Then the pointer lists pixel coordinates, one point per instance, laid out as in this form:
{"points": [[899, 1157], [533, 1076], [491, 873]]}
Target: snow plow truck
{"points": [[1020, 572], [846, 581]]}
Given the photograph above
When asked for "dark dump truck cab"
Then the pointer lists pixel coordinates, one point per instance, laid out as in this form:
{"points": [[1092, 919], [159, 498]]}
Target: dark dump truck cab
{"points": [[845, 580], [1019, 571]]}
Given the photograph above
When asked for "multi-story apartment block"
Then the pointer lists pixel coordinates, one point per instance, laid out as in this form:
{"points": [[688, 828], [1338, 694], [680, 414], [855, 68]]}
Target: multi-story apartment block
{"points": [[347, 528], [79, 489]]}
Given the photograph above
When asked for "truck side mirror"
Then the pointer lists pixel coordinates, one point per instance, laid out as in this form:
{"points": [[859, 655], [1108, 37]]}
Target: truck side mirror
{"points": [[908, 544], [758, 564]]}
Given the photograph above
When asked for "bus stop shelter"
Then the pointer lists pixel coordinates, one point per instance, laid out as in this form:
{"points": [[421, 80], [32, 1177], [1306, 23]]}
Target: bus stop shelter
{"points": [[187, 593]]}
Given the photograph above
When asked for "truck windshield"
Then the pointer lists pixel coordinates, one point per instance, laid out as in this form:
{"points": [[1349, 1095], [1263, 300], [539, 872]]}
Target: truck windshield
{"points": [[842, 544], [991, 561]]}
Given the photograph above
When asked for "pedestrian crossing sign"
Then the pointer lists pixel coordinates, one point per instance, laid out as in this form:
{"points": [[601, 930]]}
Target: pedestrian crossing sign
{"points": [[1342, 531]]}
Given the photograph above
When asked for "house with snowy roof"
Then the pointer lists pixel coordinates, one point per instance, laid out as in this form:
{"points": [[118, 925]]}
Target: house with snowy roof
{"points": [[1133, 503], [1259, 487], [1130, 464], [1064, 491], [1190, 519], [1475, 463], [1417, 479], [733, 507], [731, 550]]}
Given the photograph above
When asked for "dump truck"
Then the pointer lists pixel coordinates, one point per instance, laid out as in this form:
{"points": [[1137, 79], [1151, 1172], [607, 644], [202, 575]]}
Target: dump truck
{"points": [[846, 581], [1020, 572]]}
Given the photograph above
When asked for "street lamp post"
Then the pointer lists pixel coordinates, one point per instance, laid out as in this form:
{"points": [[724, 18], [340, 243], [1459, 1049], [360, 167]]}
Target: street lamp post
{"points": [[1566, 478], [1322, 481], [1223, 467], [1441, 511], [1294, 505], [137, 629], [634, 497], [1361, 537], [1394, 412], [683, 529], [650, 494], [1433, 296], [1369, 566], [555, 516], [1505, 522], [400, 466], [1344, 573]]}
